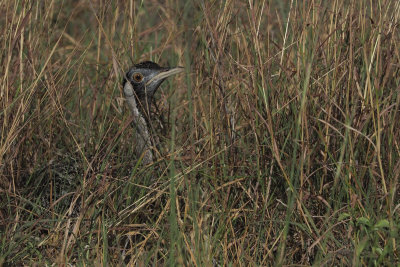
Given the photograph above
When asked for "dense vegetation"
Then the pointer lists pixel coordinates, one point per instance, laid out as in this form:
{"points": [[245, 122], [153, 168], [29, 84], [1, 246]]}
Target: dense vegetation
{"points": [[280, 146]]}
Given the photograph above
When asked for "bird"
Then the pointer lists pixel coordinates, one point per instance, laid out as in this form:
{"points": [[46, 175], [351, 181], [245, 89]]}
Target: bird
{"points": [[140, 84]]}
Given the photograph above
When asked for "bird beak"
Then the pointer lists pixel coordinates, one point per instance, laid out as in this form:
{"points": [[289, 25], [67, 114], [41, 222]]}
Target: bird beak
{"points": [[165, 74]]}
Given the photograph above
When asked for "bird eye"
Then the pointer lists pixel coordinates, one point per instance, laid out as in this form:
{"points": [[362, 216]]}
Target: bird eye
{"points": [[137, 77]]}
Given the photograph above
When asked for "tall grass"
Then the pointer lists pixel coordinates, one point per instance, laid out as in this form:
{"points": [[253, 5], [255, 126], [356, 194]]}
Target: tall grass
{"points": [[281, 143]]}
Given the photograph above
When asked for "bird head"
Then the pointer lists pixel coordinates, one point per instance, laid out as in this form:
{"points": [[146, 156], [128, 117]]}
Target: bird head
{"points": [[145, 79]]}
